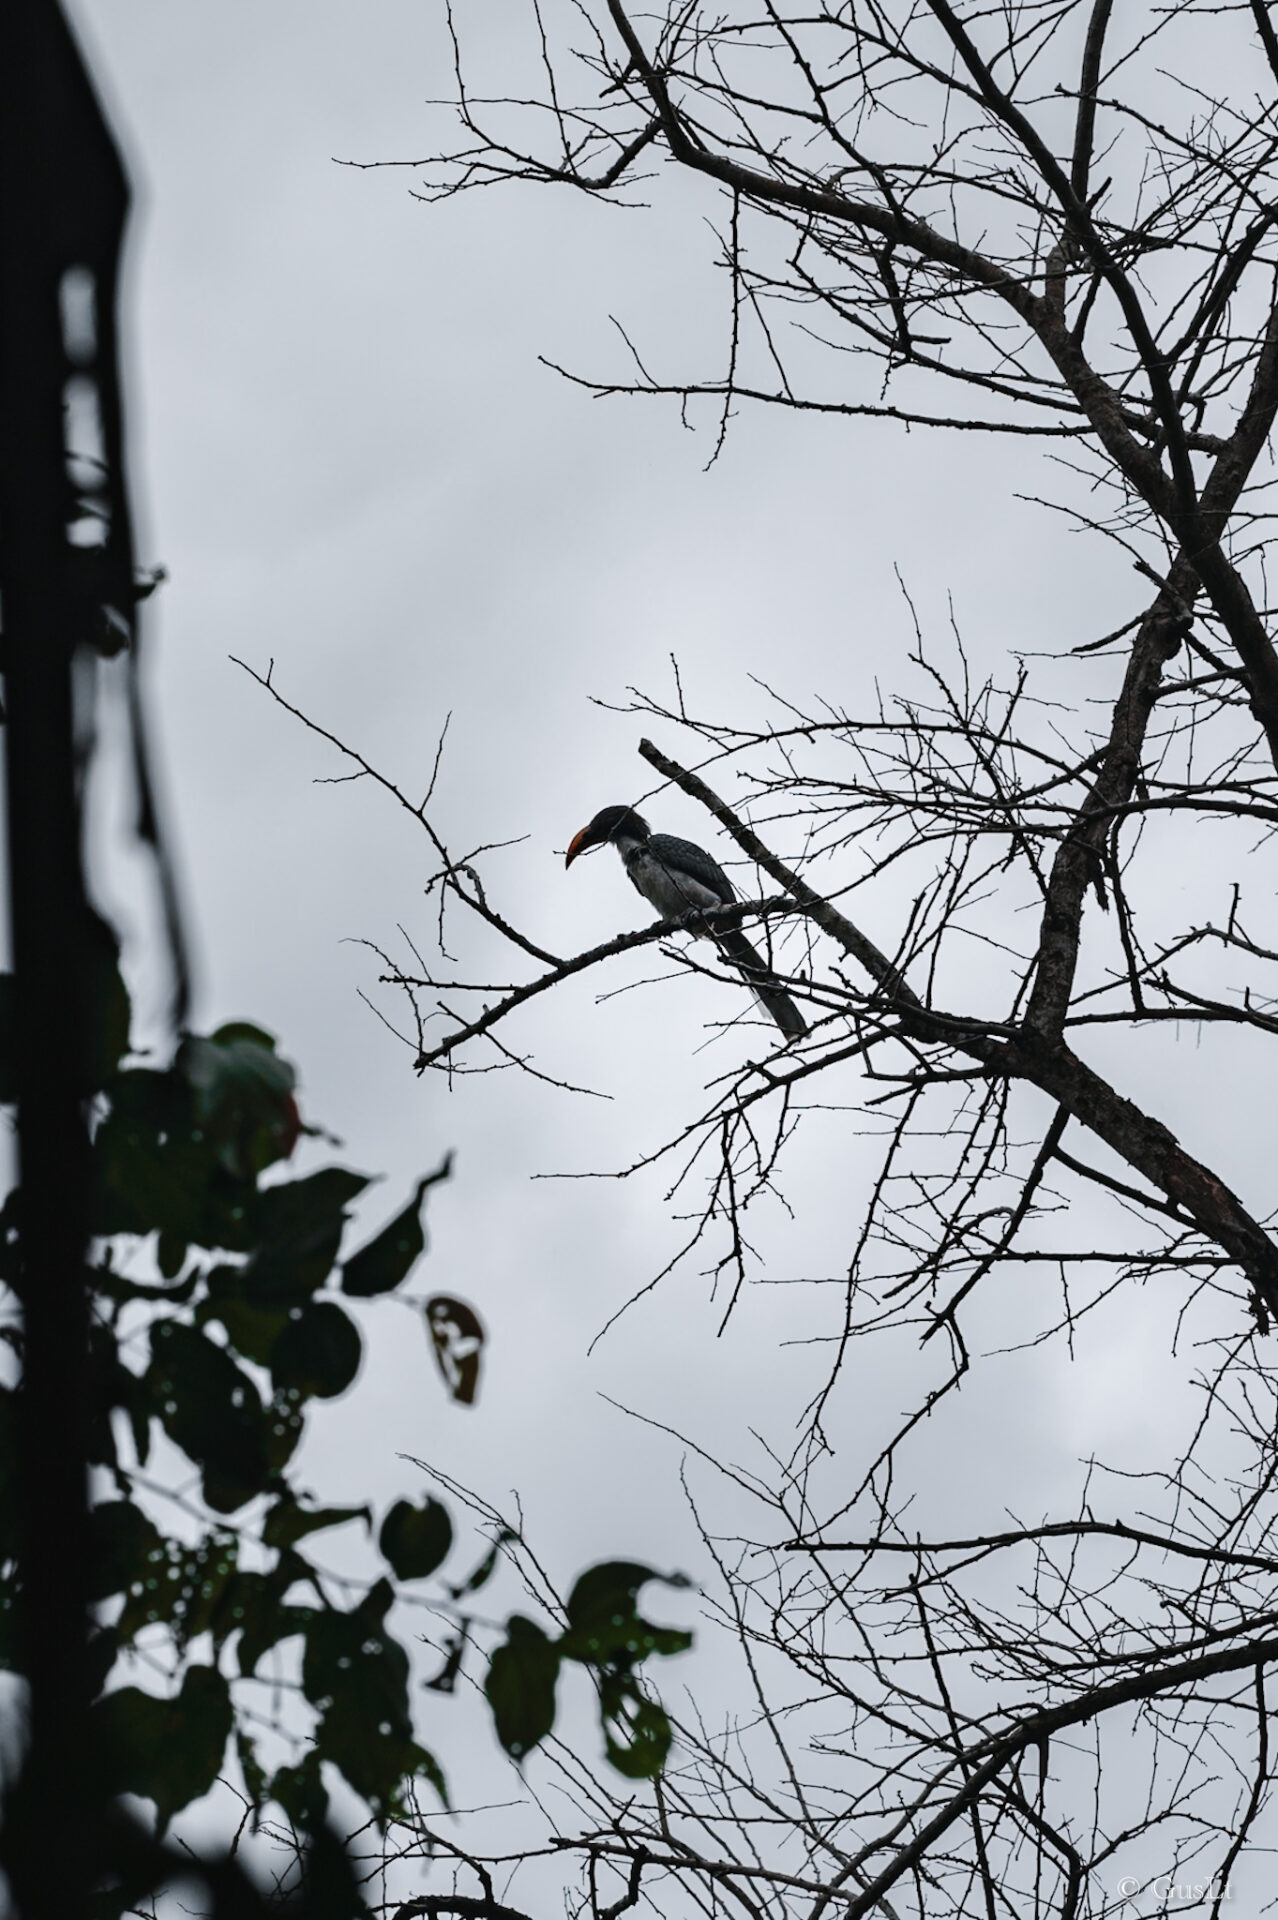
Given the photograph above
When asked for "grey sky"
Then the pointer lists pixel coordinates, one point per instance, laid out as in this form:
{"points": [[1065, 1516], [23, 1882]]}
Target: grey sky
{"points": [[350, 461]]}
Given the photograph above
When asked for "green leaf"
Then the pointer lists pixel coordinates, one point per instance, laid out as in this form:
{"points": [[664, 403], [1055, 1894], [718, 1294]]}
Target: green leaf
{"points": [[118, 1287], [156, 1168], [153, 1167], [157, 1595], [356, 1673], [188, 1589], [521, 1686], [210, 1409], [416, 1540], [168, 1750], [123, 1546], [484, 1571], [211, 1580], [603, 1624], [386, 1260], [318, 1352], [243, 1097], [376, 1759], [636, 1729], [296, 1208], [286, 1522], [299, 1227], [285, 1424], [251, 1329], [170, 1254], [353, 1662], [233, 1030], [301, 1792], [258, 1610]]}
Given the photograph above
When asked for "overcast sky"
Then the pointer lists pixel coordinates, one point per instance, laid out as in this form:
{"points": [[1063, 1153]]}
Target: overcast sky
{"points": [[350, 461]]}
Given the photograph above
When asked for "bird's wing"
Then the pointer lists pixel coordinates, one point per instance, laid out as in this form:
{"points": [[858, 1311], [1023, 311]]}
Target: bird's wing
{"points": [[685, 856]]}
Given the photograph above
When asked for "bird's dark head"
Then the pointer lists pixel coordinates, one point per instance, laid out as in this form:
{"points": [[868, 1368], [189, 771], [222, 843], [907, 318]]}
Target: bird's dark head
{"points": [[610, 823]]}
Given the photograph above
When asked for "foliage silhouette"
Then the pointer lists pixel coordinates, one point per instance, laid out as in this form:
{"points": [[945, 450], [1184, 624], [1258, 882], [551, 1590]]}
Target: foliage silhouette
{"points": [[243, 1330]]}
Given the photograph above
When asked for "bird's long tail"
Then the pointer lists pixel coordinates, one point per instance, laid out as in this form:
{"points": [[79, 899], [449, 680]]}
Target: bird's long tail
{"points": [[772, 997]]}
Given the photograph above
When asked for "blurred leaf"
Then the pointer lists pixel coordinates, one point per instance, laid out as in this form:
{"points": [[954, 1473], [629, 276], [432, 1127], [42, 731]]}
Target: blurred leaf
{"points": [[299, 1227], [170, 1254], [296, 1209], [285, 1423], [484, 1571], [318, 1352], [243, 1097], [168, 1750], [521, 1687], [251, 1769], [636, 1729], [158, 1593], [300, 1791], [334, 1883], [210, 1409], [235, 1030], [351, 1660], [604, 1626], [425, 1767], [211, 1576], [251, 1329], [356, 1673], [416, 1540], [123, 1547], [156, 1168], [120, 1288], [287, 1522], [152, 1167], [386, 1260], [458, 1337], [210, 1583], [374, 1756], [187, 1588], [262, 1617], [445, 1680]]}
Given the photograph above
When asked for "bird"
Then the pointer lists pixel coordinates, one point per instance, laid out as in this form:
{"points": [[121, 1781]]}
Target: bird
{"points": [[681, 880]]}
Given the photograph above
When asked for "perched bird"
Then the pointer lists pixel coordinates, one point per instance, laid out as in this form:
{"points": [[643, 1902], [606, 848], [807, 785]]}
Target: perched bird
{"points": [[680, 880]]}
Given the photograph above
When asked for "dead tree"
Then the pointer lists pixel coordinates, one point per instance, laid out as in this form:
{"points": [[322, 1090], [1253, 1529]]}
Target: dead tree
{"points": [[1028, 222]]}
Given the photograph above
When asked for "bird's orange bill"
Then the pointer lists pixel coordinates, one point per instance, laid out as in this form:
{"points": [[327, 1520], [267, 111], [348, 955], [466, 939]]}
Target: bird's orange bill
{"points": [[576, 845]]}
